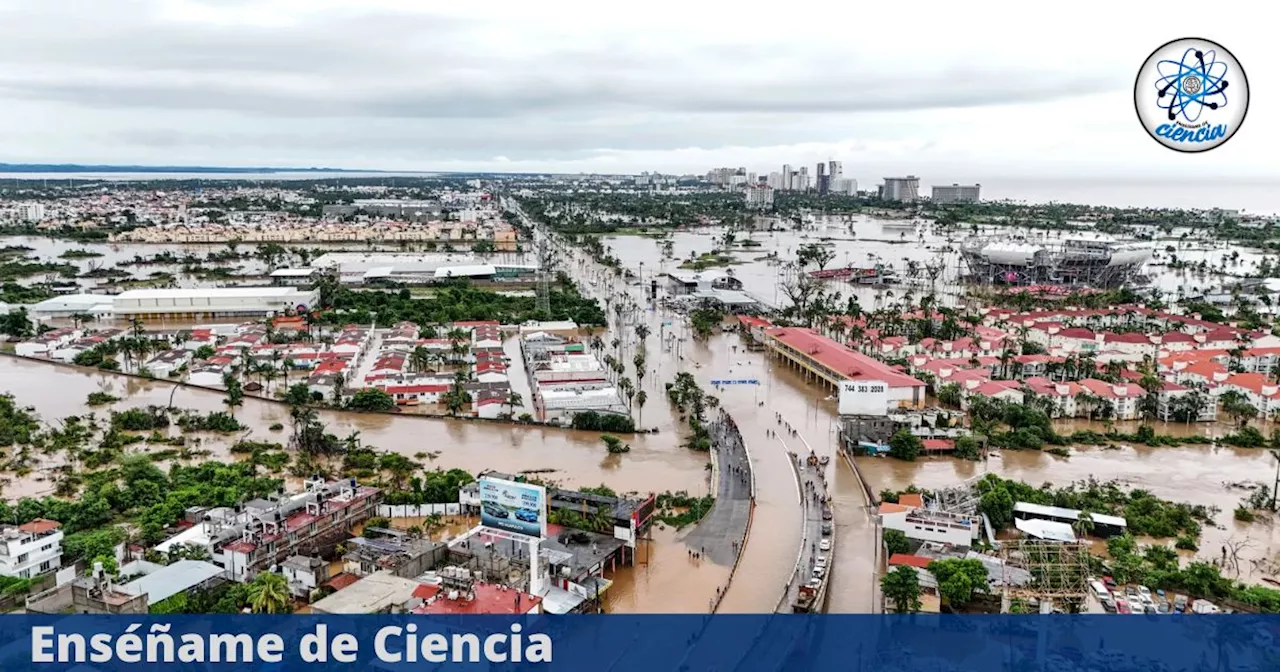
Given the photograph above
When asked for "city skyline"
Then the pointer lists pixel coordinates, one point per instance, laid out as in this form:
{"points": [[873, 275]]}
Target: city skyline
{"points": [[390, 86]]}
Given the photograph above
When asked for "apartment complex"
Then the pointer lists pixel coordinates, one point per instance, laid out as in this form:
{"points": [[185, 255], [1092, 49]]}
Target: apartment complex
{"points": [[252, 537], [957, 193], [900, 189], [30, 549]]}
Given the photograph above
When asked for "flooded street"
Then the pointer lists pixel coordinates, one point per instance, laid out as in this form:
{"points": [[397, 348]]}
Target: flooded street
{"points": [[665, 579]]}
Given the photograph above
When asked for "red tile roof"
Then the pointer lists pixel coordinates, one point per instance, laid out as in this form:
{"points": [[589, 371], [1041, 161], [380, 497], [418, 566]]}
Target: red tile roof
{"points": [[909, 560], [342, 581], [39, 526], [847, 363]]}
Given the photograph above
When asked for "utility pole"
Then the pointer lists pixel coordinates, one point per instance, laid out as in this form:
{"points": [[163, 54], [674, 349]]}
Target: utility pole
{"points": [[1276, 455]]}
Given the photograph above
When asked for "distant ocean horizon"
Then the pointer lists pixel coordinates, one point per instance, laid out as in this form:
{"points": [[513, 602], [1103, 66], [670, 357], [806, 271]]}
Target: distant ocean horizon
{"points": [[1257, 198], [1249, 197]]}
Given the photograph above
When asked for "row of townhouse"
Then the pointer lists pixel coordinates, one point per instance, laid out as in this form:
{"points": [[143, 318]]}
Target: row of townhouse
{"points": [[1082, 399], [1124, 316], [45, 344], [1209, 371], [69, 351], [395, 371]]}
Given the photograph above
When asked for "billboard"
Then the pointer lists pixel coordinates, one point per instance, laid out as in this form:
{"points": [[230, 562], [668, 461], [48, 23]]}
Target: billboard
{"points": [[520, 508], [864, 397]]}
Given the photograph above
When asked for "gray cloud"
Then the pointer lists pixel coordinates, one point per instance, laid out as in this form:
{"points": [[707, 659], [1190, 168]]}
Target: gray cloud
{"points": [[373, 82]]}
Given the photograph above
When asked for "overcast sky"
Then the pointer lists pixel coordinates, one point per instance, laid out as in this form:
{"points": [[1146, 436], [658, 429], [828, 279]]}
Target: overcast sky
{"points": [[954, 91]]}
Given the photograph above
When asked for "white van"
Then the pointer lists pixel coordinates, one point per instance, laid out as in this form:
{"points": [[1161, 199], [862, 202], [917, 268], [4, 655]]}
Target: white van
{"points": [[1099, 589]]}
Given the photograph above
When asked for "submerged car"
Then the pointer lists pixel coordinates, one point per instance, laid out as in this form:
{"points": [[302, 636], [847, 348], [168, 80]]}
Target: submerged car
{"points": [[527, 515]]}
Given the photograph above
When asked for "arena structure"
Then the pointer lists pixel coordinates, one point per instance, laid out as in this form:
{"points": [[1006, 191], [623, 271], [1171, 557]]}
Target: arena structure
{"points": [[1090, 263]]}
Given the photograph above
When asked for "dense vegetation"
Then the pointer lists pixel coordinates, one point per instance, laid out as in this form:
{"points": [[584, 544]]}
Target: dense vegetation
{"points": [[458, 302], [1145, 514]]}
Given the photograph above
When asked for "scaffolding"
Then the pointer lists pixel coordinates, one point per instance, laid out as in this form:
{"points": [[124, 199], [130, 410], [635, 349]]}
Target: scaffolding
{"points": [[1059, 573], [962, 498], [1006, 260]]}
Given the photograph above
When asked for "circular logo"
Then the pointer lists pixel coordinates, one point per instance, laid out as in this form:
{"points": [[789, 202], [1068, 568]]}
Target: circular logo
{"points": [[1191, 95]]}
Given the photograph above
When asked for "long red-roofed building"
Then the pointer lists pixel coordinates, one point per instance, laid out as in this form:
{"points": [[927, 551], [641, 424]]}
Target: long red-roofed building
{"points": [[831, 363]]}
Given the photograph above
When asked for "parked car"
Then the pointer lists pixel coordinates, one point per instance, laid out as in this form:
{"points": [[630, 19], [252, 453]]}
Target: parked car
{"points": [[1110, 582], [824, 545], [1122, 606], [1163, 608], [1144, 592], [817, 572], [826, 529], [821, 561], [1179, 604]]}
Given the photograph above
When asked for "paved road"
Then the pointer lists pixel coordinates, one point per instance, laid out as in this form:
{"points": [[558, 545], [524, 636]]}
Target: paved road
{"points": [[814, 497], [719, 534]]}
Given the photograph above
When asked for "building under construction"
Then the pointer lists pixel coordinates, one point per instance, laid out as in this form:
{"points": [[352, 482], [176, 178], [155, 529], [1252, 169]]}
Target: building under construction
{"points": [[1085, 263]]}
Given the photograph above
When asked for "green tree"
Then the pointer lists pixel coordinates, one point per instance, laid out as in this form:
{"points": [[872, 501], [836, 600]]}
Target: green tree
{"points": [[958, 579], [298, 395], [901, 588], [614, 444], [905, 446], [16, 324], [967, 448], [269, 594], [235, 393], [895, 541], [371, 399]]}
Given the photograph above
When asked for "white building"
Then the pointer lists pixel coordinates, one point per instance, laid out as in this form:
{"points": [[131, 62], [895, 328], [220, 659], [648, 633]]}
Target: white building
{"points": [[928, 525], [560, 403], [759, 196], [902, 189], [31, 212], [31, 549], [957, 193], [304, 574], [210, 302], [100, 306]]}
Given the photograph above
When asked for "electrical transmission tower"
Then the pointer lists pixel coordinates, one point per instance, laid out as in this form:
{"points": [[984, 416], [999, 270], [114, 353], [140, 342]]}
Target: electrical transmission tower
{"points": [[543, 303]]}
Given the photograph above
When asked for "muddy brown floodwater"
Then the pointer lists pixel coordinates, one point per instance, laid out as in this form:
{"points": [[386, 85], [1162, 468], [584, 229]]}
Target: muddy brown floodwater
{"points": [[1197, 475], [656, 462]]}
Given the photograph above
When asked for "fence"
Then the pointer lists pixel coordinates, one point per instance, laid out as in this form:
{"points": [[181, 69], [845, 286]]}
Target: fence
{"points": [[418, 510]]}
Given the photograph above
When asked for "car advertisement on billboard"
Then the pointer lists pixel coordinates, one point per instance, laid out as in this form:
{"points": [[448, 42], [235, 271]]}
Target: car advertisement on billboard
{"points": [[514, 507]]}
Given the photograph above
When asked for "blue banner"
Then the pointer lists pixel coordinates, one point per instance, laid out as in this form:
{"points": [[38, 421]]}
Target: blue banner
{"points": [[642, 643]]}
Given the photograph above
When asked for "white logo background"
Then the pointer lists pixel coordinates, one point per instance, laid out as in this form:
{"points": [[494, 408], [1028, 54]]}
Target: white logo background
{"points": [[1192, 87]]}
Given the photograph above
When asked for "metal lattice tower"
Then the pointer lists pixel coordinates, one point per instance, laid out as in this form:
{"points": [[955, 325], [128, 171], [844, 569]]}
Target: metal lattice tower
{"points": [[1059, 571], [543, 304]]}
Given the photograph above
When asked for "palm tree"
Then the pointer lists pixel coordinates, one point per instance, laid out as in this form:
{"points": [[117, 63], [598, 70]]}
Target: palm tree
{"points": [[339, 382], [513, 399], [421, 358], [641, 397], [269, 594], [1084, 524]]}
